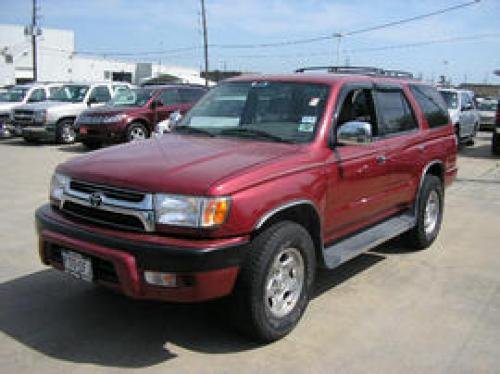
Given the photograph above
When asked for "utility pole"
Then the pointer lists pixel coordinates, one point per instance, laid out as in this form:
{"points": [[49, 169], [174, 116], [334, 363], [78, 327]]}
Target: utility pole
{"points": [[339, 36], [205, 39], [33, 39]]}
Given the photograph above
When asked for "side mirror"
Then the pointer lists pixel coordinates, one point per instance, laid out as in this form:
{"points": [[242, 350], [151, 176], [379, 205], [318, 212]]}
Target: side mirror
{"points": [[91, 100], [175, 118], [467, 106], [155, 104], [354, 133]]}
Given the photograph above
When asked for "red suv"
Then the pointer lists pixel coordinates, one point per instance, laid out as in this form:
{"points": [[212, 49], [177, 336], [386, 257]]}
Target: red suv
{"points": [[266, 179], [133, 113]]}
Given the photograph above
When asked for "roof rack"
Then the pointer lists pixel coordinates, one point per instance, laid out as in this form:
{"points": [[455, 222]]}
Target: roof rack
{"points": [[360, 70]]}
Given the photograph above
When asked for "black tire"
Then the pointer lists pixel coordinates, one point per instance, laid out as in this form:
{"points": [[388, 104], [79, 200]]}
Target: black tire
{"points": [[419, 237], [92, 144], [133, 131], [495, 144], [65, 132], [251, 312]]}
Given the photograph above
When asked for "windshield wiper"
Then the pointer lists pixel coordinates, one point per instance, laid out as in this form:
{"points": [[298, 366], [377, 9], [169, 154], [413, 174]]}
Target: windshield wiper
{"points": [[193, 130], [254, 132]]}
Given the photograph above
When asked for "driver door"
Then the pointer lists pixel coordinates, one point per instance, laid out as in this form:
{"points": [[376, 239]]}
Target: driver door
{"points": [[356, 172]]}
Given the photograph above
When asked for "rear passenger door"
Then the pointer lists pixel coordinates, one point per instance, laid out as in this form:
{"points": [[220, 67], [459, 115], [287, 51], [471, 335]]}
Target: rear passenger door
{"points": [[399, 141]]}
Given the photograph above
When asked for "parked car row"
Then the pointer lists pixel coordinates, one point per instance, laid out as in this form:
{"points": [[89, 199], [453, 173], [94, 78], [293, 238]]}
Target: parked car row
{"points": [[94, 113]]}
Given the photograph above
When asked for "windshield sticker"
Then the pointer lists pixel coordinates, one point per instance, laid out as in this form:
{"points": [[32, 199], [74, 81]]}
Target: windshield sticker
{"points": [[314, 101], [308, 119], [306, 127]]}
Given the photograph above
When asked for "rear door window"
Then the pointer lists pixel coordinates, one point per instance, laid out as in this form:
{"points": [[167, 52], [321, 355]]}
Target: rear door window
{"points": [[100, 94], [169, 97], [394, 112], [432, 104]]}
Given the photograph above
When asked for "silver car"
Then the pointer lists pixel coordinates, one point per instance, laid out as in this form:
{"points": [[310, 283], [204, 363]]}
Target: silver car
{"points": [[487, 111], [20, 95], [463, 113], [53, 120]]}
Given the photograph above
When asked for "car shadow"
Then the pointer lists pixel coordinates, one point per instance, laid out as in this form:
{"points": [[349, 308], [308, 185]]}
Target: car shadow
{"points": [[74, 148], [480, 151], [74, 321]]}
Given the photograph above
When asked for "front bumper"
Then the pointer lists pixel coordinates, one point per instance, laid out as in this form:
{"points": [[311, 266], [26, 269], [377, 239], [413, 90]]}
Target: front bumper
{"points": [[119, 261], [105, 132]]}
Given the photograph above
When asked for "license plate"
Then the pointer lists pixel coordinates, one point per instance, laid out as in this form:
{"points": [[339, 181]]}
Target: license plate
{"points": [[77, 265]]}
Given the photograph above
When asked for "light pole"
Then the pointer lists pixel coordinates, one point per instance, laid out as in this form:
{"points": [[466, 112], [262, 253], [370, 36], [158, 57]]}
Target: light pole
{"points": [[205, 39]]}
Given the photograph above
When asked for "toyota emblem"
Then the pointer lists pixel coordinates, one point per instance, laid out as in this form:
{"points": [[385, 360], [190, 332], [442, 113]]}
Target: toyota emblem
{"points": [[95, 199]]}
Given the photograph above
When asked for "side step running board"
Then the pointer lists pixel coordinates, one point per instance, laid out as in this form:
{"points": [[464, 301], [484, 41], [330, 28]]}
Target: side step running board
{"points": [[353, 246]]}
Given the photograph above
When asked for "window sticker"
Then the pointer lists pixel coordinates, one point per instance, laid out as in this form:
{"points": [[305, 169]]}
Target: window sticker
{"points": [[308, 119], [306, 127], [314, 101]]}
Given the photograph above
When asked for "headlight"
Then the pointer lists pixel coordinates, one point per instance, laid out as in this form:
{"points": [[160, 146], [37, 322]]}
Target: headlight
{"points": [[40, 116], [58, 184], [112, 119], [191, 211]]}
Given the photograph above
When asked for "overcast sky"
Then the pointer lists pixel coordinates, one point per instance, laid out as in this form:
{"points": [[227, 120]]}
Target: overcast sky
{"points": [[152, 25]]}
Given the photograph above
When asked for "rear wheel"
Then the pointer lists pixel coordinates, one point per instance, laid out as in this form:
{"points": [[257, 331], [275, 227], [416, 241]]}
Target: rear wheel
{"points": [[275, 282], [65, 132], [429, 214], [137, 131]]}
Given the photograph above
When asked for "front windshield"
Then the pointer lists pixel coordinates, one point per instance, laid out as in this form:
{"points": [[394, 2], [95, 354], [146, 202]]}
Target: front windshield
{"points": [[131, 97], [274, 111], [69, 93], [451, 99], [488, 106], [13, 95]]}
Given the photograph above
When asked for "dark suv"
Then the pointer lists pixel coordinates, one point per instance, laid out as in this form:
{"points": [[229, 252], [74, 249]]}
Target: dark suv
{"points": [[132, 114], [263, 181]]}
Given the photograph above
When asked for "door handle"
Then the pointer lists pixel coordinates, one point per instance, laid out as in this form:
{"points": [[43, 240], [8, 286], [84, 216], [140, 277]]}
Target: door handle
{"points": [[381, 159]]}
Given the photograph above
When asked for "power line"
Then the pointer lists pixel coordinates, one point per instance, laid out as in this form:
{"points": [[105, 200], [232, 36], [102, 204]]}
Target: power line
{"points": [[350, 33]]}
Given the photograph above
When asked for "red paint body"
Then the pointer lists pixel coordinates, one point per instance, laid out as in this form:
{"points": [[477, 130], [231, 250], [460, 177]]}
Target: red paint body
{"points": [[349, 189]]}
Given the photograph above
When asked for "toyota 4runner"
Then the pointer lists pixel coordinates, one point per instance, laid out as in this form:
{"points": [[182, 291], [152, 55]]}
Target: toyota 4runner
{"points": [[266, 179]]}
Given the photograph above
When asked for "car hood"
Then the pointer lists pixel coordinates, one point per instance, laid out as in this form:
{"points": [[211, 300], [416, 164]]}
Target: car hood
{"points": [[176, 163], [6, 107]]}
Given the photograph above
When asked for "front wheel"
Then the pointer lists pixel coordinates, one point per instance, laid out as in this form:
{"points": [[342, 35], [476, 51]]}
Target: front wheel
{"points": [[137, 131], [275, 282], [429, 214], [65, 132]]}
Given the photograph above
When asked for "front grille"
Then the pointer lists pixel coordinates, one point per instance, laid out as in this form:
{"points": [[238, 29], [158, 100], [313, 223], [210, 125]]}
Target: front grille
{"points": [[103, 270], [103, 217], [23, 117], [110, 192]]}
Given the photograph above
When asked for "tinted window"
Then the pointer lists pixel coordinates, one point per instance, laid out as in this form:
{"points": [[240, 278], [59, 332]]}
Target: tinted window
{"points": [[190, 95], [14, 94], [37, 95], [394, 113], [451, 99], [100, 94], [432, 104], [169, 97], [358, 106]]}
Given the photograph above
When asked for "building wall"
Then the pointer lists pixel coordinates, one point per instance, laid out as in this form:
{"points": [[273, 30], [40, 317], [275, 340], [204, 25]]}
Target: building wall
{"points": [[58, 62]]}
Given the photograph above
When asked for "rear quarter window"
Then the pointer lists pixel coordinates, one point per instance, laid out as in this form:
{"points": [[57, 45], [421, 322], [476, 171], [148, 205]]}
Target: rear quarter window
{"points": [[432, 104]]}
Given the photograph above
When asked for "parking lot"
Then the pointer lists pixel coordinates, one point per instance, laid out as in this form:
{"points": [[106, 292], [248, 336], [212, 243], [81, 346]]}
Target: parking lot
{"points": [[390, 310]]}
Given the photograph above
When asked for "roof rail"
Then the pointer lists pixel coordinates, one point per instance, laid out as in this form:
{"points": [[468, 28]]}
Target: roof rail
{"points": [[361, 70]]}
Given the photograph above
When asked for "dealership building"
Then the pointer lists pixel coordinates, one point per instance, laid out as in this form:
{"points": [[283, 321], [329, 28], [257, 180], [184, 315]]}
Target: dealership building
{"points": [[58, 61]]}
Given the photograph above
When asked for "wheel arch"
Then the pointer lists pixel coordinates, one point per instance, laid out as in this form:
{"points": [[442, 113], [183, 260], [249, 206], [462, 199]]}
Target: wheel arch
{"points": [[141, 121], [302, 212], [436, 168]]}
